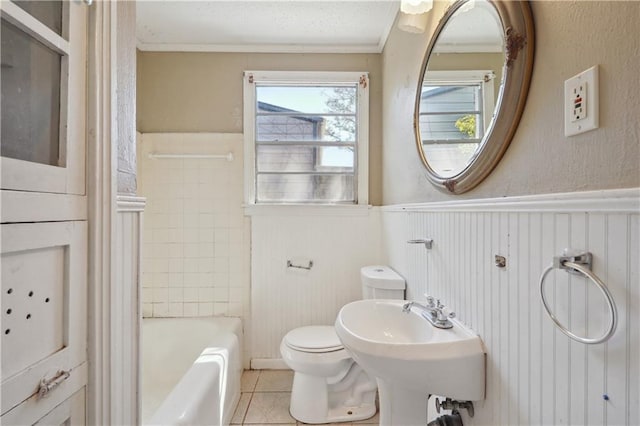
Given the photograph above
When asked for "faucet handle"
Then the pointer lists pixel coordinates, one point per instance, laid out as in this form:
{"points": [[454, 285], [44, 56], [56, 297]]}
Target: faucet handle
{"points": [[448, 313], [443, 314], [430, 301]]}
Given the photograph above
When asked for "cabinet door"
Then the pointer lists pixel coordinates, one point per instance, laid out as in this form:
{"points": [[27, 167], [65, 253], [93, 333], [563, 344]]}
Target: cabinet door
{"points": [[69, 412], [43, 99], [44, 309]]}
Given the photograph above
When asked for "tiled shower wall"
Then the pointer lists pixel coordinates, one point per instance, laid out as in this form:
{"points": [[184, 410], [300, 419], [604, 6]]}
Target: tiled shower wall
{"points": [[535, 374], [195, 258]]}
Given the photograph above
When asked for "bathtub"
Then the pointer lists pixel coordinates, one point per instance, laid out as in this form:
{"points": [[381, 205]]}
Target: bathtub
{"points": [[191, 370]]}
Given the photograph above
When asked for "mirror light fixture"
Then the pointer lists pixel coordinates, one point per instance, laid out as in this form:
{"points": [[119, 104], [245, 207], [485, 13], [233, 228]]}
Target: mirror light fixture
{"points": [[415, 24], [415, 7], [412, 15]]}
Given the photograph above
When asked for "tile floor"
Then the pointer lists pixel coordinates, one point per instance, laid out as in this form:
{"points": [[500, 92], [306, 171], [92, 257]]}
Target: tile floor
{"points": [[265, 400]]}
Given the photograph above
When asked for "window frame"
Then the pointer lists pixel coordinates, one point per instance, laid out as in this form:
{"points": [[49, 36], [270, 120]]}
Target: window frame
{"points": [[304, 78]]}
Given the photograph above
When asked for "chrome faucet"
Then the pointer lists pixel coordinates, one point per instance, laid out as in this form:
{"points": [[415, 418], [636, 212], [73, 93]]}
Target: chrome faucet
{"points": [[434, 312]]}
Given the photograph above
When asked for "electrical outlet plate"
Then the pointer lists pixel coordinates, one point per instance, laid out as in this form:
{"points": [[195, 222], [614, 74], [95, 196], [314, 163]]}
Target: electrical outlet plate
{"points": [[581, 102]]}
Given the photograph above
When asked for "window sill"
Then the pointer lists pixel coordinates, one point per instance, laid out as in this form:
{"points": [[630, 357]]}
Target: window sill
{"points": [[306, 210]]}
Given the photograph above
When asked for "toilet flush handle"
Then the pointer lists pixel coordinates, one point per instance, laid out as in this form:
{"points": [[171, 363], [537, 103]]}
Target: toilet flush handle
{"points": [[428, 242]]}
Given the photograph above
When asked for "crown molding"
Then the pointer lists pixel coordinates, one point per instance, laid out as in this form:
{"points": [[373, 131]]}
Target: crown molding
{"points": [[258, 48]]}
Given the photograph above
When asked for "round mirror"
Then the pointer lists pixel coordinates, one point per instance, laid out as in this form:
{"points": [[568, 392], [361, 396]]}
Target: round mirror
{"points": [[473, 85]]}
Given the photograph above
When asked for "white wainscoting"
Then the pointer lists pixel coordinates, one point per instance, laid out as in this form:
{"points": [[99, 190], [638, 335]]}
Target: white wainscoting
{"points": [[125, 302], [535, 374], [285, 298]]}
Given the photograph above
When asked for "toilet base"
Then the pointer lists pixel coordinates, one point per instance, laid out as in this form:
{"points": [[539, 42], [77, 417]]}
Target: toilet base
{"points": [[314, 401]]}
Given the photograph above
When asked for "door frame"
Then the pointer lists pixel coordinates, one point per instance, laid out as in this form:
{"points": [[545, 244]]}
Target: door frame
{"points": [[101, 191]]}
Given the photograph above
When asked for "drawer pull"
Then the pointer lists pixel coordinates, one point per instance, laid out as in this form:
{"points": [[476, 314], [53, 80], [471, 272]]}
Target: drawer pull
{"points": [[47, 386]]}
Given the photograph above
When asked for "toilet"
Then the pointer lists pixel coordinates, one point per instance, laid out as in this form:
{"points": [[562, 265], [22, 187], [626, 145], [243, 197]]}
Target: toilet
{"points": [[328, 385]]}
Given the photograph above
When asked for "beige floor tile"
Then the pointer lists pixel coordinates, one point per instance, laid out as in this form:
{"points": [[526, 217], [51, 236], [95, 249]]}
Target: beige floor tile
{"points": [[275, 381], [270, 408], [248, 380], [241, 409]]}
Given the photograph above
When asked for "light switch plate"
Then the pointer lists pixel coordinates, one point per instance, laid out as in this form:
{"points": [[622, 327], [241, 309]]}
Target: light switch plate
{"points": [[581, 102]]}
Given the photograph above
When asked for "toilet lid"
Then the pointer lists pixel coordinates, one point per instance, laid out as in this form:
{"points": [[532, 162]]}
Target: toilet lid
{"points": [[317, 338]]}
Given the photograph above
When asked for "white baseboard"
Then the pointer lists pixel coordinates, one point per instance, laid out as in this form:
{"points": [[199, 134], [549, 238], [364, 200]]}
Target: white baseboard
{"points": [[268, 364]]}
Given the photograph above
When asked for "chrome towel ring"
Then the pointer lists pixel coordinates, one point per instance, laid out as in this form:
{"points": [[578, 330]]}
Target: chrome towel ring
{"points": [[580, 264]]}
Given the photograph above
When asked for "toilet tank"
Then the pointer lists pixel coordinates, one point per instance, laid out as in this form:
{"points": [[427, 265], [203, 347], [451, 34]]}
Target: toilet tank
{"points": [[381, 282]]}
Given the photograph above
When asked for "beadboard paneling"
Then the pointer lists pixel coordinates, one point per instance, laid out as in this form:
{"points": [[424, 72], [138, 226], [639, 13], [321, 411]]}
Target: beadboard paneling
{"points": [[125, 298], [535, 374], [284, 298]]}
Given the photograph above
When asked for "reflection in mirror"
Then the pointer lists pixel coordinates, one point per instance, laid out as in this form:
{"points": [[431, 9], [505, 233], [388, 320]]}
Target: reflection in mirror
{"points": [[461, 82], [472, 90]]}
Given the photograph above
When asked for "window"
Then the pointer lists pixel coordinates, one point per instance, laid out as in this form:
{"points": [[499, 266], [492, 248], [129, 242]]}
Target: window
{"points": [[455, 112], [306, 137]]}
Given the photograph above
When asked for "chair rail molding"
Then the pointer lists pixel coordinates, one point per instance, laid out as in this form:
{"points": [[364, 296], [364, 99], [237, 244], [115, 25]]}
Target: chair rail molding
{"points": [[626, 200]]}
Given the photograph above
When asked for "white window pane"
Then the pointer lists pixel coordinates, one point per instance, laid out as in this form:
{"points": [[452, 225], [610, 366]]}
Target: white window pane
{"points": [[305, 188], [440, 127], [307, 99], [30, 86], [49, 12], [300, 158], [330, 157], [299, 128]]}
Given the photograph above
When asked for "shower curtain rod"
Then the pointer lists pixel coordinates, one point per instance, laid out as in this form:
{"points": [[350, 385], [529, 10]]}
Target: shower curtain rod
{"points": [[228, 156]]}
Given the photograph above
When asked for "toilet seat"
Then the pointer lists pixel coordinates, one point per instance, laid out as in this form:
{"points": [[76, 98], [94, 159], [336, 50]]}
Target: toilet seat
{"points": [[313, 339]]}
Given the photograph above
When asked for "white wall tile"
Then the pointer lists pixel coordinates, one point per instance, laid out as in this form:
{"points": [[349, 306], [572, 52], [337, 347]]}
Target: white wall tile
{"points": [[205, 309], [147, 295], [187, 239], [191, 294], [176, 295], [160, 295], [206, 294], [160, 309], [220, 294], [190, 309], [147, 310], [176, 309]]}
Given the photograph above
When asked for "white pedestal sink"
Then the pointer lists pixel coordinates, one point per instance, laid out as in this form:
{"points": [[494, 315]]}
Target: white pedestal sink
{"points": [[411, 358]]}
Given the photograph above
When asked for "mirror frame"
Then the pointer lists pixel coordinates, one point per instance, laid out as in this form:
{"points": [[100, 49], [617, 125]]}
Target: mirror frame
{"points": [[518, 30]]}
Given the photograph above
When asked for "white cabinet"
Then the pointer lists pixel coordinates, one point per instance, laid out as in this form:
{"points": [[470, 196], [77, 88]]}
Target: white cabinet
{"points": [[50, 412], [44, 310], [44, 231], [44, 61]]}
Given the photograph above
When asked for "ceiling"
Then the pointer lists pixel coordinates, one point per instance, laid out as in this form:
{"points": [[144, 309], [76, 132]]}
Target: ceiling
{"points": [[474, 29], [348, 26]]}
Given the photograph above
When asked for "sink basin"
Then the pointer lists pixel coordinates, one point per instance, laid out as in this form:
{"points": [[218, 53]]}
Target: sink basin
{"points": [[411, 358]]}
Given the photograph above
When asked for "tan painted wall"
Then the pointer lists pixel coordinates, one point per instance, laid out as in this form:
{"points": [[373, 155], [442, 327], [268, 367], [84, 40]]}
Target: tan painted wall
{"points": [[540, 159], [202, 92]]}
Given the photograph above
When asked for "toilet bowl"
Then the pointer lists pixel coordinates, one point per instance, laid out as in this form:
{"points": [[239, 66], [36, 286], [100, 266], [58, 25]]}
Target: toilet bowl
{"points": [[328, 385]]}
